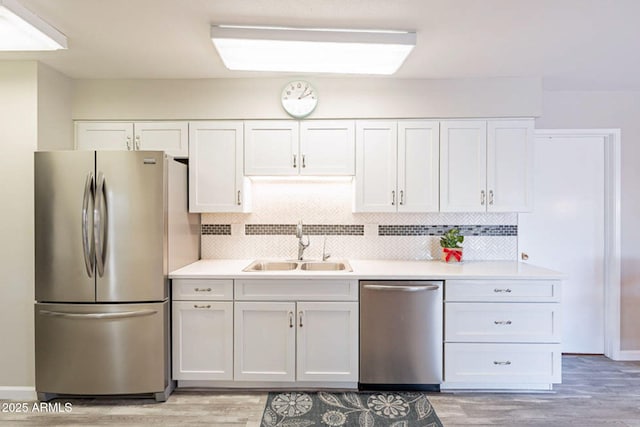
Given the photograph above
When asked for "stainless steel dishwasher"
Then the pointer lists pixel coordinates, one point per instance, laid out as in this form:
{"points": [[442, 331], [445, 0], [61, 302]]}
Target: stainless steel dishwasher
{"points": [[401, 335]]}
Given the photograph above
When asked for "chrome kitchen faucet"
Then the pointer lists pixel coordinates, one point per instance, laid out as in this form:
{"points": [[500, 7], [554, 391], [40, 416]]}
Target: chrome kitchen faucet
{"points": [[301, 244]]}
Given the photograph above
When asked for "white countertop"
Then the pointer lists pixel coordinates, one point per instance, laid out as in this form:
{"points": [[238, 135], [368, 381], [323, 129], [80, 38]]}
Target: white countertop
{"points": [[373, 269]]}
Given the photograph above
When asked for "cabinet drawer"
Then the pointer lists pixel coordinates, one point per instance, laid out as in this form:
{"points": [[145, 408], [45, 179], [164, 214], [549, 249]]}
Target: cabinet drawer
{"points": [[296, 290], [502, 363], [502, 322], [202, 289], [502, 290]]}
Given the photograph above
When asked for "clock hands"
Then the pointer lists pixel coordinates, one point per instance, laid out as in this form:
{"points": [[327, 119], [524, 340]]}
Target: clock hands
{"points": [[305, 93]]}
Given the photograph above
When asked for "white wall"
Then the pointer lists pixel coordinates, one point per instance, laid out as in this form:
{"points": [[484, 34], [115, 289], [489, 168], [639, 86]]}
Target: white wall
{"points": [[385, 97], [18, 140], [339, 98], [55, 128], [581, 110]]}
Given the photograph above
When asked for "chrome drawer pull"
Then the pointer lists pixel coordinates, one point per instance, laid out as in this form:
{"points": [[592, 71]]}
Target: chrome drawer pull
{"points": [[203, 289], [502, 322], [507, 362], [201, 306], [498, 290]]}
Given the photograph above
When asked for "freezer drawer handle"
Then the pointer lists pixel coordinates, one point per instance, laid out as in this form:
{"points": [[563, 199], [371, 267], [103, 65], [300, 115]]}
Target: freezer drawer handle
{"points": [[120, 315], [502, 322], [505, 363], [498, 290], [87, 244], [402, 288]]}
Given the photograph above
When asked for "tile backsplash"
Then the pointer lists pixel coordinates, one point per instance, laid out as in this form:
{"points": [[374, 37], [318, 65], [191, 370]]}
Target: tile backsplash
{"points": [[325, 207]]}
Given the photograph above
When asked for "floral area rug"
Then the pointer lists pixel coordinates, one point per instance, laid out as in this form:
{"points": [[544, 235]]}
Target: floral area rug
{"points": [[379, 409]]}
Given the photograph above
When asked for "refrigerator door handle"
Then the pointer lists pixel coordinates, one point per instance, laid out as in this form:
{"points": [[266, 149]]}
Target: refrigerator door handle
{"points": [[88, 248], [100, 224], [120, 315]]}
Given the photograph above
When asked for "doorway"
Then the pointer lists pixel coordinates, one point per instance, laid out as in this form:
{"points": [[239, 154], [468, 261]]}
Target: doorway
{"points": [[574, 228]]}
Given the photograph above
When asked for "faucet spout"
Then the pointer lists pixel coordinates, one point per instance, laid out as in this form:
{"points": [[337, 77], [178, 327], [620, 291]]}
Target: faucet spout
{"points": [[302, 245]]}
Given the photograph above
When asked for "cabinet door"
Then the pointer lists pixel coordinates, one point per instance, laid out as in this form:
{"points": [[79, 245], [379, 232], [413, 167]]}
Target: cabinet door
{"points": [[271, 147], [264, 345], [202, 340], [171, 137], [327, 347], [327, 147], [215, 167], [418, 166], [510, 165], [463, 163], [376, 144], [104, 136]]}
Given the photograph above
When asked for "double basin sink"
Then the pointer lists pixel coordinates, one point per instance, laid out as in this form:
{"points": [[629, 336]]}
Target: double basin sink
{"points": [[262, 265]]}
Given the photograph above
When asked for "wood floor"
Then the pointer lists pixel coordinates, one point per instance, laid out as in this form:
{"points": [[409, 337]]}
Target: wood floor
{"points": [[595, 392]]}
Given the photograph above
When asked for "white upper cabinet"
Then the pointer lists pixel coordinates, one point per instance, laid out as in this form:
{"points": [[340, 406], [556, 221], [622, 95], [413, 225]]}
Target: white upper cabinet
{"points": [[418, 158], [104, 136], [216, 183], [327, 147], [463, 165], [171, 137], [376, 163], [510, 165], [486, 165], [288, 147], [271, 147], [397, 166]]}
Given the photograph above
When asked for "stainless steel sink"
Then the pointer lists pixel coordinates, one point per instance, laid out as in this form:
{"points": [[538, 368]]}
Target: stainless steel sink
{"points": [[266, 265], [271, 266], [325, 266]]}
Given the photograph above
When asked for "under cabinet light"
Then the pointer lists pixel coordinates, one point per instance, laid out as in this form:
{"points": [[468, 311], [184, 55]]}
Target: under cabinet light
{"points": [[21, 29], [321, 50]]}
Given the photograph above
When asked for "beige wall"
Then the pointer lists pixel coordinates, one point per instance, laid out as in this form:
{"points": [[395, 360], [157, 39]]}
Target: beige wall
{"points": [[579, 110], [339, 98], [55, 128], [18, 139]]}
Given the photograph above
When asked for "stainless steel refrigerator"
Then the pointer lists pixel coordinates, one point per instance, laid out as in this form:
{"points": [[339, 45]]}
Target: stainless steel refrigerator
{"points": [[109, 226]]}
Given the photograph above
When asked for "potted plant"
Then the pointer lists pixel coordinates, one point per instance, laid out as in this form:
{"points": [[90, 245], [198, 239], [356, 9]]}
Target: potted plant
{"points": [[451, 243]]}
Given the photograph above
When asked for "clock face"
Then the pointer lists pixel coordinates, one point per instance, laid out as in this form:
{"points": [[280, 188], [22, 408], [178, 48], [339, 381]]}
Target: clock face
{"points": [[299, 98]]}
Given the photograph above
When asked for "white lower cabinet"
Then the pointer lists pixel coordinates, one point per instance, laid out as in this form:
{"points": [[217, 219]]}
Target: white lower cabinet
{"points": [[502, 365], [202, 329], [327, 341], [502, 334], [265, 341], [202, 340], [265, 332], [296, 341]]}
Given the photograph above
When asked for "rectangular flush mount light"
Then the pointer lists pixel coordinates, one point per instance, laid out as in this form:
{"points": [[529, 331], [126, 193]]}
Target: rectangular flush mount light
{"points": [[20, 30], [320, 50]]}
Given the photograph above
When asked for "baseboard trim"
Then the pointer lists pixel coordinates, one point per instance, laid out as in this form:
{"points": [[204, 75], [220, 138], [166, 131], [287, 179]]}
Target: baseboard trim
{"points": [[17, 393], [627, 355]]}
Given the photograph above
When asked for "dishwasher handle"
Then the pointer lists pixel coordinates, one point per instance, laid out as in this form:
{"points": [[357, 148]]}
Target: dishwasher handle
{"points": [[402, 288]]}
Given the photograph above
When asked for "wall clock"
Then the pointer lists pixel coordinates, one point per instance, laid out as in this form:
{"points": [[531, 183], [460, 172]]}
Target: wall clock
{"points": [[299, 98]]}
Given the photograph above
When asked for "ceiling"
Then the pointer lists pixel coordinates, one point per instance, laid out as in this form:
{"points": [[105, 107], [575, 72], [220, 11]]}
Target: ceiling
{"points": [[571, 44]]}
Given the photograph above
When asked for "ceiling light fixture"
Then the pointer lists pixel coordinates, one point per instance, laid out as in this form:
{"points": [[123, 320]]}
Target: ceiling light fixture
{"points": [[319, 50], [21, 29]]}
